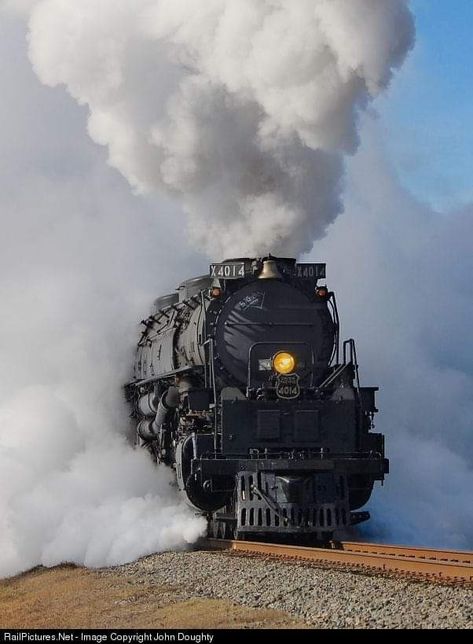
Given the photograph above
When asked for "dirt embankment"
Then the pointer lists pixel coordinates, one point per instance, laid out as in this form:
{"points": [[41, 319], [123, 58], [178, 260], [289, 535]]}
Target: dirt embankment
{"points": [[69, 597]]}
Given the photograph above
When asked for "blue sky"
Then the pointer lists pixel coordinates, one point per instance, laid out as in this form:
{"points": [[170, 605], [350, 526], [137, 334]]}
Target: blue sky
{"points": [[428, 113]]}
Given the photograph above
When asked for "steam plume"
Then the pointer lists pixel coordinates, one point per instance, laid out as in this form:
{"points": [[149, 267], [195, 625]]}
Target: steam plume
{"points": [[405, 293], [242, 109], [78, 267]]}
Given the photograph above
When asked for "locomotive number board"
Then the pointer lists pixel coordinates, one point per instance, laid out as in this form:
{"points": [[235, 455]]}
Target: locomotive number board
{"points": [[228, 270], [237, 270], [310, 271]]}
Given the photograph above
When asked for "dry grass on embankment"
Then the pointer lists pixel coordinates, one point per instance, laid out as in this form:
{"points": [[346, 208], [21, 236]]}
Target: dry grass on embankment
{"points": [[70, 597]]}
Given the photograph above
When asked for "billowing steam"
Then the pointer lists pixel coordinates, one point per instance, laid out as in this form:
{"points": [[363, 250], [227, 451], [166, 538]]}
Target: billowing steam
{"points": [[79, 265], [243, 109], [402, 273]]}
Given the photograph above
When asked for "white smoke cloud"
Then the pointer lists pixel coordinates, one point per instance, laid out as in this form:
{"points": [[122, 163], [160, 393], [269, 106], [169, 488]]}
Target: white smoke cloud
{"points": [[79, 265], [402, 274], [17, 7], [242, 109], [69, 496]]}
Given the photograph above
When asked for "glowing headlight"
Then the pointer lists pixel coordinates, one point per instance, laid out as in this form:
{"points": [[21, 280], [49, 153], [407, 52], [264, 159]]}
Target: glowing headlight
{"points": [[284, 362]]}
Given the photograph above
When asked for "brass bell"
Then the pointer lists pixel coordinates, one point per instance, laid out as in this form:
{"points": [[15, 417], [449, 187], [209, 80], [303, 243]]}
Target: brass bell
{"points": [[270, 271]]}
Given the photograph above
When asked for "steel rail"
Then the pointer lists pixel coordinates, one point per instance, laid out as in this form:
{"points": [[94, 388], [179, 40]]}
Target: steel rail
{"points": [[412, 552], [441, 565]]}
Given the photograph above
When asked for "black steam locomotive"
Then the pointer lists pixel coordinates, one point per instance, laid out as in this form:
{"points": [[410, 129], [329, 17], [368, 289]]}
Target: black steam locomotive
{"points": [[242, 386]]}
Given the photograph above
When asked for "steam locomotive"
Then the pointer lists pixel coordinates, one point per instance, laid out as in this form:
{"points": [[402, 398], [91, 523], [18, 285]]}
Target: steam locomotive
{"points": [[242, 386]]}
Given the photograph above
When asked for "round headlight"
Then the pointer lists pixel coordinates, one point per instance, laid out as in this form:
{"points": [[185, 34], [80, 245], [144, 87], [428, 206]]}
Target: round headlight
{"points": [[284, 362]]}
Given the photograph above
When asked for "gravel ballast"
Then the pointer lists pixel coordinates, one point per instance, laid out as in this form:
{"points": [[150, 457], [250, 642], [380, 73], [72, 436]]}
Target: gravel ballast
{"points": [[322, 598]]}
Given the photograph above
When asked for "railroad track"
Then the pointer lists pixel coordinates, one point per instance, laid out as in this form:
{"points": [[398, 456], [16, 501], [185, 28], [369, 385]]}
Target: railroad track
{"points": [[440, 565]]}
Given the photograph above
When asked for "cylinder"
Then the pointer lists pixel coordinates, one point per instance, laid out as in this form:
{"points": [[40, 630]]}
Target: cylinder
{"points": [[147, 404], [145, 429]]}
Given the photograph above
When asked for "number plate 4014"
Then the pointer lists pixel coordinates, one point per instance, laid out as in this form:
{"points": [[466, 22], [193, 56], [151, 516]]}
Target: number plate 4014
{"points": [[288, 387], [228, 270]]}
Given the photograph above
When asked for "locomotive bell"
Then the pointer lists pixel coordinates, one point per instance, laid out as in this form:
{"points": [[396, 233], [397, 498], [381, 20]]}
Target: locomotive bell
{"points": [[270, 271]]}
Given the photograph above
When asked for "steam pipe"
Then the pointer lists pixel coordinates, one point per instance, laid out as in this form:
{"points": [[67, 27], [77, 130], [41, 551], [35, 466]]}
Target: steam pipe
{"points": [[168, 403]]}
